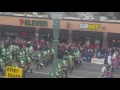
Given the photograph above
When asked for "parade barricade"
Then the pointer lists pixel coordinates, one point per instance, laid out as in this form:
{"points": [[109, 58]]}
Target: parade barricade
{"points": [[97, 61]]}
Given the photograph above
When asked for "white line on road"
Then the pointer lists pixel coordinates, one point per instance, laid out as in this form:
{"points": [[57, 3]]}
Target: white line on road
{"points": [[87, 71], [49, 73], [70, 76], [76, 77], [91, 67], [100, 75], [40, 72]]}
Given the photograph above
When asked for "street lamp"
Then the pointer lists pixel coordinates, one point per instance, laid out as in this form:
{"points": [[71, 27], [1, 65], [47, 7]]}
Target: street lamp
{"points": [[56, 16]]}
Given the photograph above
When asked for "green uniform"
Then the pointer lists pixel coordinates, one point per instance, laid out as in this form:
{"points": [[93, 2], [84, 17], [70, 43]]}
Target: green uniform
{"points": [[30, 49], [15, 66], [11, 48], [27, 50], [52, 51], [1, 60], [27, 59], [48, 51], [10, 57], [17, 47], [51, 75], [23, 52], [77, 53], [21, 63], [64, 62], [0, 50], [3, 51], [59, 67], [4, 58], [20, 53], [69, 58], [57, 72], [39, 56], [44, 54]]}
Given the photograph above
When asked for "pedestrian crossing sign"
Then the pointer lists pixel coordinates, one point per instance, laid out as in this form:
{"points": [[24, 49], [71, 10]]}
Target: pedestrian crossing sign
{"points": [[13, 72]]}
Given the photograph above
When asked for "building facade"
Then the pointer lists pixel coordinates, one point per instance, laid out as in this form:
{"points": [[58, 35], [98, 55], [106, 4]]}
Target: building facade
{"points": [[104, 33]]}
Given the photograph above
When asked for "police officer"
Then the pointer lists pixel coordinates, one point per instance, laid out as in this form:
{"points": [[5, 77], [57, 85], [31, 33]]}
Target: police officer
{"points": [[75, 57], [51, 75], [51, 52], [22, 65], [57, 73], [40, 62], [44, 56], [65, 68], [28, 63], [70, 62], [80, 59]]}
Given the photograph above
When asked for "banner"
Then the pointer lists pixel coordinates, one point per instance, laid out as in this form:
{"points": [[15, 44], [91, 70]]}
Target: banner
{"points": [[12, 72], [97, 61]]}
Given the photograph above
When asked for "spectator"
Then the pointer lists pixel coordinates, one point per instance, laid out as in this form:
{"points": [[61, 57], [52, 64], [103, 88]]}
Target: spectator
{"points": [[109, 59]]}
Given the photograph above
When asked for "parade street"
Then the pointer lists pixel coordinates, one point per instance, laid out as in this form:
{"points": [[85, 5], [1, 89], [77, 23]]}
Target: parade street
{"points": [[87, 70], [59, 45]]}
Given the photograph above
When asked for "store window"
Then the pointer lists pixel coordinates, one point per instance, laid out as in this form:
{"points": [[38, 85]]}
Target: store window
{"points": [[97, 42]]}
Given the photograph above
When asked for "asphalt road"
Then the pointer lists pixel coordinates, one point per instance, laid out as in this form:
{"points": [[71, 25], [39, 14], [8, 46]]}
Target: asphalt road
{"points": [[86, 70]]}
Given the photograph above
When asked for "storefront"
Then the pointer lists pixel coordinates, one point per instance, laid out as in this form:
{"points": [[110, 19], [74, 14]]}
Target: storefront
{"points": [[70, 30], [26, 33], [47, 34], [88, 37], [113, 40]]}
